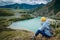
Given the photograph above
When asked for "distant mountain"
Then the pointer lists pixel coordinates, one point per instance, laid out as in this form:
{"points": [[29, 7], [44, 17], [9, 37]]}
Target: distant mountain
{"points": [[22, 6]]}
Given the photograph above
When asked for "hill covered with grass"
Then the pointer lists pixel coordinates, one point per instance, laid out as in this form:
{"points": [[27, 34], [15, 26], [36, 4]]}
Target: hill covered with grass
{"points": [[24, 35]]}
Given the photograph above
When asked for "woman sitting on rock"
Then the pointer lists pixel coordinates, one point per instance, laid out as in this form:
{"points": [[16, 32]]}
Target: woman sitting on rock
{"points": [[45, 28]]}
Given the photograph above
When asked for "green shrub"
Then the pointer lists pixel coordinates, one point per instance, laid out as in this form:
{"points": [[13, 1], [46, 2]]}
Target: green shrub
{"points": [[4, 23], [6, 13]]}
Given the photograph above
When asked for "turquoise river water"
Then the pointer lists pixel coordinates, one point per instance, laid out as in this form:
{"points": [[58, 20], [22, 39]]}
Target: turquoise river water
{"points": [[31, 25]]}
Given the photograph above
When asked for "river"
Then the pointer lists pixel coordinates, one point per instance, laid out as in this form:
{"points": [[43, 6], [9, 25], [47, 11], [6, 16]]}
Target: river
{"points": [[31, 25]]}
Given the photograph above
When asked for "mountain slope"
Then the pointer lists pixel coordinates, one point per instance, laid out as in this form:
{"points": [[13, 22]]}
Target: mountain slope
{"points": [[49, 10], [22, 6]]}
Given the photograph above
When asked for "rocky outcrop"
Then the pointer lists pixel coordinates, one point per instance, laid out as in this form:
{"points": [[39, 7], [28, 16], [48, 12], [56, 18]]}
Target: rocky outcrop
{"points": [[54, 23]]}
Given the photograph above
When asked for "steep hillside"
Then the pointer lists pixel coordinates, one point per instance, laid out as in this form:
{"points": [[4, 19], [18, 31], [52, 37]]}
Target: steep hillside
{"points": [[50, 9], [57, 6]]}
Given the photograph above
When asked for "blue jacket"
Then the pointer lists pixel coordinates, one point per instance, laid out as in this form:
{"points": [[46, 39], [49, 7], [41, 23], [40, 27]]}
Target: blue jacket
{"points": [[46, 27]]}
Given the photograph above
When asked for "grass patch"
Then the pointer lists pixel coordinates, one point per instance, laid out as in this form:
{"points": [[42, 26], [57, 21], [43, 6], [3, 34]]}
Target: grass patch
{"points": [[6, 12], [10, 35]]}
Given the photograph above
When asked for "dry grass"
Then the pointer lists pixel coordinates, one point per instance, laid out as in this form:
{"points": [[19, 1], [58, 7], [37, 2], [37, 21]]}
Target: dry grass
{"points": [[25, 35]]}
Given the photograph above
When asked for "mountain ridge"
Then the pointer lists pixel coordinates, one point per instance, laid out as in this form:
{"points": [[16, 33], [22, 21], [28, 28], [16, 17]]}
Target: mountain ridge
{"points": [[22, 6]]}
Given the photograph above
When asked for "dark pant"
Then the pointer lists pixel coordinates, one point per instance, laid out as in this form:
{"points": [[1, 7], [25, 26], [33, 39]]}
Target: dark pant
{"points": [[43, 33]]}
